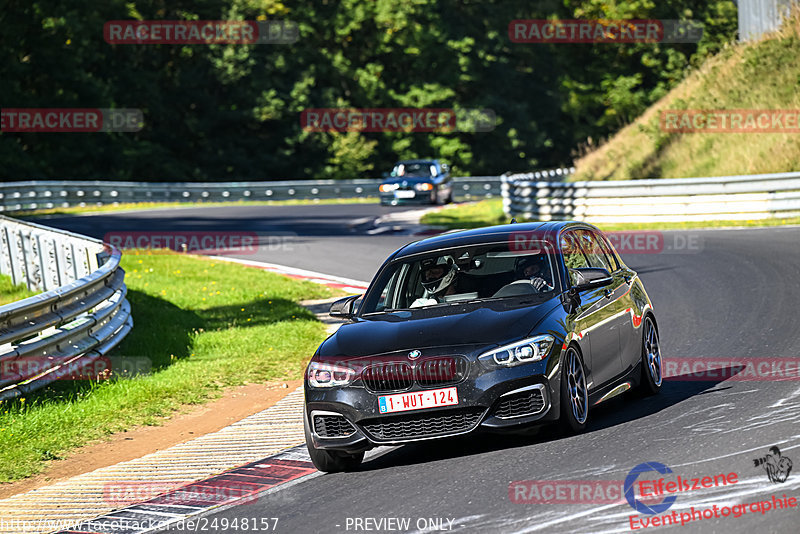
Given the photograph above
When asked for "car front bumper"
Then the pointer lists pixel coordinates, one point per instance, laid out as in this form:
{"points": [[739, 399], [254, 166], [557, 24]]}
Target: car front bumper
{"points": [[420, 197], [486, 401]]}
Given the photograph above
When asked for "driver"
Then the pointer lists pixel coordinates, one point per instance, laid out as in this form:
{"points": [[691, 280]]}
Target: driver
{"points": [[536, 269], [438, 279]]}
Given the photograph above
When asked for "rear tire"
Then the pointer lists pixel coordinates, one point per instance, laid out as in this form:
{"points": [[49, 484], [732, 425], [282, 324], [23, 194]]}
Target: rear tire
{"points": [[652, 367], [574, 393], [330, 461]]}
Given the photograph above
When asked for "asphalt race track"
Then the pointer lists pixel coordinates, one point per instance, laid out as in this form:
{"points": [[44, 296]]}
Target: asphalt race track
{"points": [[735, 295], [325, 238]]}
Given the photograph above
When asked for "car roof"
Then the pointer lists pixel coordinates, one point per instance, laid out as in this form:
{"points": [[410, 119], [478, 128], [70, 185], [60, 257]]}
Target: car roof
{"points": [[489, 234], [417, 161]]}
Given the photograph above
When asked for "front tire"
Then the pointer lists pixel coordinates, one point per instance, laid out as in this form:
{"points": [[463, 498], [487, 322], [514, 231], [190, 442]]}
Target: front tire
{"points": [[652, 369], [330, 461], [574, 393]]}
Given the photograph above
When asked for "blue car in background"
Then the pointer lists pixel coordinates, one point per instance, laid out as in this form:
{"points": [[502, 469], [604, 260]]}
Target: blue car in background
{"points": [[418, 181]]}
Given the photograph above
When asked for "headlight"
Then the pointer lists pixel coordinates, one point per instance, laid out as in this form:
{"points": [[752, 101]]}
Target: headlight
{"points": [[424, 186], [528, 350], [325, 375], [386, 188]]}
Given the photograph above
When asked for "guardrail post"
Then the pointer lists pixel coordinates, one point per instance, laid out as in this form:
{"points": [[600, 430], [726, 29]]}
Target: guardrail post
{"points": [[5, 253], [61, 266], [505, 193], [29, 262], [44, 265], [15, 256], [85, 262]]}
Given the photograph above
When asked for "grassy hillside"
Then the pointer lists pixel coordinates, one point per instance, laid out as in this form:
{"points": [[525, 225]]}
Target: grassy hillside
{"points": [[758, 75]]}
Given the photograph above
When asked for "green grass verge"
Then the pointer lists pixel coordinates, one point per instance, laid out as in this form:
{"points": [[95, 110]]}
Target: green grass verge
{"points": [[490, 213], [136, 206], [11, 293], [469, 215], [204, 325], [760, 74]]}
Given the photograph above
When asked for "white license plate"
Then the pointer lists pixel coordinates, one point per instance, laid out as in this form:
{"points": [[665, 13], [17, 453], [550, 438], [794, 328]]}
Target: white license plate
{"points": [[404, 402], [404, 194]]}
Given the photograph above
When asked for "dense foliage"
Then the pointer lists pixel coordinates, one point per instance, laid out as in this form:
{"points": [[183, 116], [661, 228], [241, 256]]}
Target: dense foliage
{"points": [[232, 112]]}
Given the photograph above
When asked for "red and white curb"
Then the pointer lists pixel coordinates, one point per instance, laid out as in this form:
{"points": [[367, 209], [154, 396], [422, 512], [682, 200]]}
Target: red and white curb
{"points": [[177, 507], [181, 481], [338, 282], [246, 443]]}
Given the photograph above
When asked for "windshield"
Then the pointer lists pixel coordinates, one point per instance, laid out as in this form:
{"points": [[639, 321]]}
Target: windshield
{"points": [[419, 170], [468, 274]]}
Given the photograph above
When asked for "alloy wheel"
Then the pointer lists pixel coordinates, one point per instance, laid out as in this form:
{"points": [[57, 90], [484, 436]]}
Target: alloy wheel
{"points": [[652, 352], [576, 387]]}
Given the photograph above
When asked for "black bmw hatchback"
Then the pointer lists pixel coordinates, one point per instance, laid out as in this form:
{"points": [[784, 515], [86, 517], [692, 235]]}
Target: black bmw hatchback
{"points": [[417, 181], [497, 328]]}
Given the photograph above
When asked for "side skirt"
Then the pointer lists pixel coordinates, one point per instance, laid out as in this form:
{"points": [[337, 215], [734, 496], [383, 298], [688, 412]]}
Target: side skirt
{"points": [[616, 386]]}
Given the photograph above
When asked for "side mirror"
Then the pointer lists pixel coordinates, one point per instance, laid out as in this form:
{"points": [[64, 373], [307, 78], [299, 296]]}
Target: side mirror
{"points": [[343, 308], [445, 168], [585, 278]]}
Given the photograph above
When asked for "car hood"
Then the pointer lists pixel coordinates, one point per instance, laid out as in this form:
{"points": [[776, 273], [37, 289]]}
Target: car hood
{"points": [[386, 333], [410, 179]]}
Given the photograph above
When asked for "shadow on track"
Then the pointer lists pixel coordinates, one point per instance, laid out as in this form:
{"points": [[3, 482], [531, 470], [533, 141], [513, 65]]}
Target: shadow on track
{"points": [[614, 412]]}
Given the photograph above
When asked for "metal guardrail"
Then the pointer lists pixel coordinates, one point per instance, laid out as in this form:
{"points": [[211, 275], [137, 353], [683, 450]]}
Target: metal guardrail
{"points": [[747, 197], [18, 196], [757, 17], [80, 316]]}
